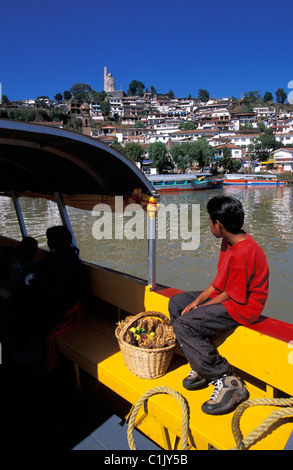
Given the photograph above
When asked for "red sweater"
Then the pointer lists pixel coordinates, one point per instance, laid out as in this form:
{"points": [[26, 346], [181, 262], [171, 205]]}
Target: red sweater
{"points": [[243, 274]]}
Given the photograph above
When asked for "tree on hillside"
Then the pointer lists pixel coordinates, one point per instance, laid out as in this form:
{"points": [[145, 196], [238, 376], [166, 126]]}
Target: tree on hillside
{"points": [[105, 108], [139, 125], [187, 126], [58, 97], [203, 95], [281, 96], [158, 153], [202, 152], [135, 88], [98, 96], [153, 91], [251, 97], [182, 156], [133, 151], [4, 99], [268, 96], [80, 88], [81, 93], [263, 145], [228, 163], [115, 145], [67, 95], [171, 94]]}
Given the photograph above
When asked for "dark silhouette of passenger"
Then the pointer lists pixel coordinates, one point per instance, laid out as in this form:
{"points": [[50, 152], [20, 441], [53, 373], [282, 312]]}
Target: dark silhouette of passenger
{"points": [[23, 261], [52, 287]]}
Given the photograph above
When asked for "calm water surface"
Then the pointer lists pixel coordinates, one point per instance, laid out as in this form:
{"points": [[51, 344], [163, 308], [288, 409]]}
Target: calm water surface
{"points": [[268, 218]]}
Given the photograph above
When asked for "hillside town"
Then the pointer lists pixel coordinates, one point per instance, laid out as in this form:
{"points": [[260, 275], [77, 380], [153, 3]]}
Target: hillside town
{"points": [[239, 126]]}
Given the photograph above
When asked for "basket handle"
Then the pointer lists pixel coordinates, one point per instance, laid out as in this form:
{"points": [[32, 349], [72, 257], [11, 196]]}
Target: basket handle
{"points": [[141, 315]]}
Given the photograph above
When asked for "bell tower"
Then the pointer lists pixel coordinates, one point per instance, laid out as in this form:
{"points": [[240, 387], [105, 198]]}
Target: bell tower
{"points": [[86, 119]]}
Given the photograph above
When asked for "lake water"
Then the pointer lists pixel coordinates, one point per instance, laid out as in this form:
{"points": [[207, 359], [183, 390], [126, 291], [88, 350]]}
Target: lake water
{"points": [[268, 218]]}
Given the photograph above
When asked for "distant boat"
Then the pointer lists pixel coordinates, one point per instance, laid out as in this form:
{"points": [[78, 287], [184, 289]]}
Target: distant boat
{"points": [[252, 180], [184, 182]]}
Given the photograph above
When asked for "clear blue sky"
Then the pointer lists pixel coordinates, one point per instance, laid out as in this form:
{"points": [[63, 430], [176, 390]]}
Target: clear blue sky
{"points": [[227, 47]]}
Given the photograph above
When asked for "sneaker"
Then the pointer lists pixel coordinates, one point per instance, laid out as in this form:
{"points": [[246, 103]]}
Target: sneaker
{"points": [[194, 381], [228, 392]]}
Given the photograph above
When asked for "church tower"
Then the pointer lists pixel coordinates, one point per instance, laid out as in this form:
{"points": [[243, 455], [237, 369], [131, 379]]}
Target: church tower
{"points": [[86, 119]]}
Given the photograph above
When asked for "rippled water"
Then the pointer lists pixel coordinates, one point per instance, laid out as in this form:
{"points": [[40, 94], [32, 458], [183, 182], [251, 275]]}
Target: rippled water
{"points": [[269, 219]]}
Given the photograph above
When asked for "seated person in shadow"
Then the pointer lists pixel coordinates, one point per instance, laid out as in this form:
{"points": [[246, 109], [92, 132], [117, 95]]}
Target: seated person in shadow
{"points": [[51, 287], [23, 261]]}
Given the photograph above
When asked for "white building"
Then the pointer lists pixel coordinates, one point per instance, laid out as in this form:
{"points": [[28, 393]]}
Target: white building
{"points": [[285, 138], [236, 151], [284, 159]]}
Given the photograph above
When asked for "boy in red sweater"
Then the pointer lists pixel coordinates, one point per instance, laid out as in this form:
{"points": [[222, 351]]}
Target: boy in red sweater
{"points": [[236, 296]]}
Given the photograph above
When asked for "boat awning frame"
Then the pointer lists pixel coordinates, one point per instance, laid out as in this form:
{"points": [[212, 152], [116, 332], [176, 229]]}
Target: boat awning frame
{"points": [[46, 160], [71, 169]]}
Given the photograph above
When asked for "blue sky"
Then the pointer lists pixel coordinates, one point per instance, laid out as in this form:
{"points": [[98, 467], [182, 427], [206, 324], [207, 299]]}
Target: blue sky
{"points": [[226, 47]]}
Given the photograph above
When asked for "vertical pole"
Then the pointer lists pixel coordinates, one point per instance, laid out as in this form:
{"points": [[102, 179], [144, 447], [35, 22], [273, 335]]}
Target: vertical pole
{"points": [[64, 214], [19, 214], [151, 227]]}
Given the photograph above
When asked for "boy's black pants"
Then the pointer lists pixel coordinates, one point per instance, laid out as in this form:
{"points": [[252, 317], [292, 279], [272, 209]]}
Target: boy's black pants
{"points": [[194, 331]]}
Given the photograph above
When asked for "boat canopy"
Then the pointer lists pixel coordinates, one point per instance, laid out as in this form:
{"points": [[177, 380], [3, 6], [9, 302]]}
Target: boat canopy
{"points": [[40, 160]]}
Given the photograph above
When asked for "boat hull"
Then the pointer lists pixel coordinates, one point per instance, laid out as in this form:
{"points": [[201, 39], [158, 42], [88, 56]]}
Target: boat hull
{"points": [[214, 184], [252, 180], [188, 186], [163, 188], [253, 183]]}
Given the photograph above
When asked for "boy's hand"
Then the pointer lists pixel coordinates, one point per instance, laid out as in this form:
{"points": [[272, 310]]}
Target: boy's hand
{"points": [[189, 307]]}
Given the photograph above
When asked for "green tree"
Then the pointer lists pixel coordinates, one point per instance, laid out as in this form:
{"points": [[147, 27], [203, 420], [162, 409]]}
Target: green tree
{"points": [[171, 94], [251, 98], [182, 155], [67, 95], [268, 96], [139, 125], [263, 145], [158, 153], [135, 88], [4, 99], [115, 145], [81, 93], [80, 88], [228, 163], [202, 152], [105, 108], [203, 95], [56, 114], [74, 124], [58, 97], [98, 95], [133, 151], [280, 95], [153, 91], [187, 126]]}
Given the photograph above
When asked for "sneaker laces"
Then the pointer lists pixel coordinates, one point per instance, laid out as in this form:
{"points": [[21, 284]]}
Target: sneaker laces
{"points": [[219, 384], [191, 373]]}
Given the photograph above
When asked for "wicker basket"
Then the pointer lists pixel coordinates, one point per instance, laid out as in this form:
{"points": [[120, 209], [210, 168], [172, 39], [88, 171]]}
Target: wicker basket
{"points": [[145, 363]]}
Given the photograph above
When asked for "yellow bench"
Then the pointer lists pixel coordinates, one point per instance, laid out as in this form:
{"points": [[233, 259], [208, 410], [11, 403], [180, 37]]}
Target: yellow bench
{"points": [[93, 347]]}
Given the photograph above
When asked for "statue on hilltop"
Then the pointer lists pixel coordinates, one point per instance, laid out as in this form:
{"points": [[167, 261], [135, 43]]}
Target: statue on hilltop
{"points": [[109, 82]]}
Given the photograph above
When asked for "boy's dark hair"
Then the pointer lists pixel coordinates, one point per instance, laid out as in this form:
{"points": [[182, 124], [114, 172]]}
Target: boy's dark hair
{"points": [[227, 210]]}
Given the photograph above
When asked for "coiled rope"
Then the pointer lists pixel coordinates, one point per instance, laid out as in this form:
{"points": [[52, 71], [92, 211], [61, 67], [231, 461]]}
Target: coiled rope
{"points": [[241, 443], [259, 431], [144, 398]]}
